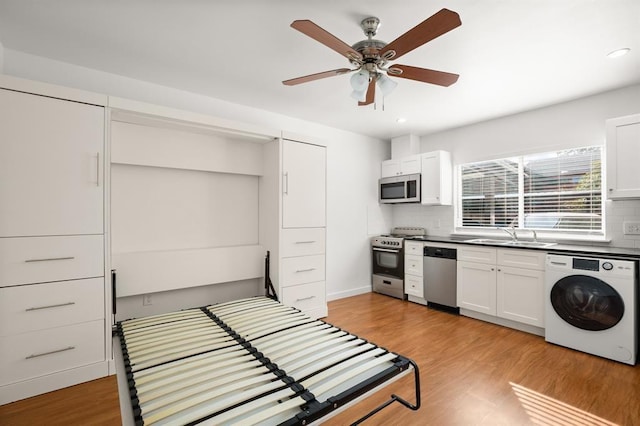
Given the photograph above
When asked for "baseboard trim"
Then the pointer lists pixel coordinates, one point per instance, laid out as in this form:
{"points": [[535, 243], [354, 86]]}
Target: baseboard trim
{"points": [[348, 293]]}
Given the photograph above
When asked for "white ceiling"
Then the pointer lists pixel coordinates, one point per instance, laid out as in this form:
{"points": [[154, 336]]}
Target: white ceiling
{"points": [[511, 55]]}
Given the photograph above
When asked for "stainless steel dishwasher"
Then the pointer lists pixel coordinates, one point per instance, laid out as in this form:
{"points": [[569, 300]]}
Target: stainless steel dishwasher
{"points": [[440, 277]]}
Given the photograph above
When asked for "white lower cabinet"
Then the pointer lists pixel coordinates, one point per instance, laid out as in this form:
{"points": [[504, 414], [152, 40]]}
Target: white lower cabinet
{"points": [[520, 295], [506, 283], [306, 297], [413, 278], [476, 286]]}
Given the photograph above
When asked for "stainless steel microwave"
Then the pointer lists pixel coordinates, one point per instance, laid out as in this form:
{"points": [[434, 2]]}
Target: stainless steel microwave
{"points": [[399, 189]]}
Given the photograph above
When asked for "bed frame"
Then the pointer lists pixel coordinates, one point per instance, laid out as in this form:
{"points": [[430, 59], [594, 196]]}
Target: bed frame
{"points": [[249, 361]]}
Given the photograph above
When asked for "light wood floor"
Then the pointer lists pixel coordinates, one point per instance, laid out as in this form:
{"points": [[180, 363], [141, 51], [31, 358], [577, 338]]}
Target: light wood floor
{"points": [[472, 373]]}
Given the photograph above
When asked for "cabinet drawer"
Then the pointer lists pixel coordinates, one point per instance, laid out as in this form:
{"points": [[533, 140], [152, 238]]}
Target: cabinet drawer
{"points": [[305, 296], [44, 259], [477, 254], [413, 265], [28, 355], [40, 306], [412, 248], [304, 269], [528, 259], [302, 242], [413, 285]]}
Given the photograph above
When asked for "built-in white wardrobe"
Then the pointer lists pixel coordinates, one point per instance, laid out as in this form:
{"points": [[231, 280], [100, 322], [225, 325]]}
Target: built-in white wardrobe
{"points": [[53, 299], [112, 209]]}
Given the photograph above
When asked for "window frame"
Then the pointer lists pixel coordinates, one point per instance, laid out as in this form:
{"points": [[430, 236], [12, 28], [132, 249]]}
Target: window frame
{"points": [[599, 235]]}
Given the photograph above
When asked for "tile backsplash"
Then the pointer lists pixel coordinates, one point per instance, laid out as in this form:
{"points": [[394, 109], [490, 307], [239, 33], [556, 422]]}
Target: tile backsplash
{"points": [[439, 220]]}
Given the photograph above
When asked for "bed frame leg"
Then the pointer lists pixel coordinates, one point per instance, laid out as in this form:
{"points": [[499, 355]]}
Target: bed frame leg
{"points": [[394, 397]]}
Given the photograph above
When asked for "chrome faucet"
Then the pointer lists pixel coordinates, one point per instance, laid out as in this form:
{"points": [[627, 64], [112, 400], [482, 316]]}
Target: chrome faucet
{"points": [[512, 233], [535, 236]]}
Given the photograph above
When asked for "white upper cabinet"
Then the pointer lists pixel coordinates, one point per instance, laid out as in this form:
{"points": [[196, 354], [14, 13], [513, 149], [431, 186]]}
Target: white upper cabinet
{"points": [[623, 157], [402, 166], [436, 178], [51, 178], [303, 185]]}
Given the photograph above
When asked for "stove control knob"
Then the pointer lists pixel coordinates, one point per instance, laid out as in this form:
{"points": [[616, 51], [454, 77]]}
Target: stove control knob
{"points": [[607, 266]]}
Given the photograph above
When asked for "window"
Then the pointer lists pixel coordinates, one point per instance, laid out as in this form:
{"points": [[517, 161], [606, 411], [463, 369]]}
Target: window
{"points": [[552, 191]]}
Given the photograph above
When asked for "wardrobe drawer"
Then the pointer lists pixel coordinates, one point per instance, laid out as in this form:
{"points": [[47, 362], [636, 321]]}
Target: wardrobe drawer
{"points": [[305, 297], [40, 306], [302, 242], [44, 259], [29, 355], [300, 270]]}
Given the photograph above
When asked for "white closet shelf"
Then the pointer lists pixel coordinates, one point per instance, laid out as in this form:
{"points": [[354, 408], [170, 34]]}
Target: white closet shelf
{"points": [[163, 270]]}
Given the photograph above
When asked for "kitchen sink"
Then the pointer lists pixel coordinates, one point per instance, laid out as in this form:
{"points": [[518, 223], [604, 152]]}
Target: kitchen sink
{"points": [[511, 243]]}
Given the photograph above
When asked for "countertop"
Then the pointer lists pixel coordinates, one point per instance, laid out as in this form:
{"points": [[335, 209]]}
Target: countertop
{"points": [[620, 252]]}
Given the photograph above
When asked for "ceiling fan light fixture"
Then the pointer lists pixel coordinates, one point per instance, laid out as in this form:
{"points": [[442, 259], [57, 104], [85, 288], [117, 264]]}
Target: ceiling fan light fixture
{"points": [[359, 95], [386, 85], [359, 81]]}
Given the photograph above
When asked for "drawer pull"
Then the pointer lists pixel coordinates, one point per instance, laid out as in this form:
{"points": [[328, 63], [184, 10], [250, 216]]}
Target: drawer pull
{"points": [[49, 259], [306, 270], [68, 348], [305, 242], [305, 298], [37, 308]]}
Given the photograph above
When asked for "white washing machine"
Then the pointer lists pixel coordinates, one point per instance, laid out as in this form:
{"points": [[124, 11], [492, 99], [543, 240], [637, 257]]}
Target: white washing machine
{"points": [[591, 305]]}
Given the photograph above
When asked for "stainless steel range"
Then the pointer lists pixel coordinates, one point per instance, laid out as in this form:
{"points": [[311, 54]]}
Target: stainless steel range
{"points": [[387, 259]]}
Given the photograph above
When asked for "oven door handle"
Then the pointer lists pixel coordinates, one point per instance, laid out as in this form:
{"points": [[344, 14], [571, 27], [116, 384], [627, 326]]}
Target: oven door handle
{"points": [[386, 250]]}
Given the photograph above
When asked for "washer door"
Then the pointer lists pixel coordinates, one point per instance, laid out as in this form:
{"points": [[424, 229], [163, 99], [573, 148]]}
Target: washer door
{"points": [[587, 302]]}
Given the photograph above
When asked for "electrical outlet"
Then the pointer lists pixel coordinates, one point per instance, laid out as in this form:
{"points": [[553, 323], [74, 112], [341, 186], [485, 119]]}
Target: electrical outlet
{"points": [[146, 300], [631, 228]]}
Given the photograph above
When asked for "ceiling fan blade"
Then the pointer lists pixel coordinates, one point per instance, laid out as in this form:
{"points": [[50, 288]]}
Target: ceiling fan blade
{"points": [[332, 42], [371, 93], [442, 22], [317, 76], [425, 75]]}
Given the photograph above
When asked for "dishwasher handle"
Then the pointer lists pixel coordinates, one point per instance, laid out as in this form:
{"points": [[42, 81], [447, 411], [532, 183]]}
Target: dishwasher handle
{"points": [[440, 252]]}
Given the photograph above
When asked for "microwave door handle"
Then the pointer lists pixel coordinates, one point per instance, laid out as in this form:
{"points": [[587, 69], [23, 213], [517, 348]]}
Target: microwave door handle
{"points": [[386, 250]]}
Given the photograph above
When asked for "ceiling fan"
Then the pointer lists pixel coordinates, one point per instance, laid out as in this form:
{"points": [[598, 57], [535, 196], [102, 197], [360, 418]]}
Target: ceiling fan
{"points": [[371, 57]]}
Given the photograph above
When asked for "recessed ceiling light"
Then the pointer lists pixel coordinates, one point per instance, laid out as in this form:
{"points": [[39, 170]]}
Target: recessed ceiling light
{"points": [[618, 52], [401, 120]]}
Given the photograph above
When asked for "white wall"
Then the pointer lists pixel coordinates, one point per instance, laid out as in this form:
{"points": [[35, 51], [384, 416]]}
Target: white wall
{"points": [[571, 124], [352, 159]]}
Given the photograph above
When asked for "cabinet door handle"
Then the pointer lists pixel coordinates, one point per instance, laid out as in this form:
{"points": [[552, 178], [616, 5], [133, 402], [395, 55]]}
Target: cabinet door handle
{"points": [[37, 308], [285, 188], [305, 298], [68, 348], [305, 242], [98, 169], [305, 270], [49, 259]]}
